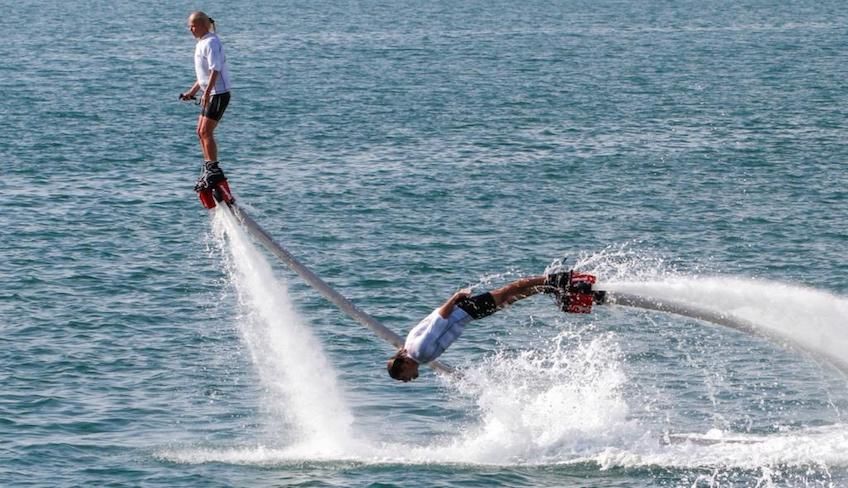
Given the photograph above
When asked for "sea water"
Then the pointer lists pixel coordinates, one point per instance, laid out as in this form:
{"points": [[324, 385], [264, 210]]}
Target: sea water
{"points": [[692, 151]]}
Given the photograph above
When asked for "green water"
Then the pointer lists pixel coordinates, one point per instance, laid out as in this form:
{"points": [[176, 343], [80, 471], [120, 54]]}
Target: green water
{"points": [[403, 150]]}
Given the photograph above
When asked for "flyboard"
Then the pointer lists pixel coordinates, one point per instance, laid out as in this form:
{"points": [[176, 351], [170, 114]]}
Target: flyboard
{"points": [[310, 277]]}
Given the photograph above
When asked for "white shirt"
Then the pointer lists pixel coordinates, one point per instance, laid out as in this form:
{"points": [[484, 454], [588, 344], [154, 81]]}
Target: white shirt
{"points": [[209, 55], [429, 339]]}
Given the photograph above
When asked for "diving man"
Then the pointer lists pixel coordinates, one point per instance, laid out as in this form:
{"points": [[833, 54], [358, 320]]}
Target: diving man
{"points": [[436, 332]]}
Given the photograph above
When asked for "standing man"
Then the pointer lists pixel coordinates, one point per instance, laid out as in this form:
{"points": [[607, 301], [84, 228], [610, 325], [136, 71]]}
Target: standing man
{"points": [[213, 81]]}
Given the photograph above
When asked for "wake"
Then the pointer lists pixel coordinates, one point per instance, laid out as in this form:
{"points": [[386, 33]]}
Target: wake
{"points": [[560, 403]]}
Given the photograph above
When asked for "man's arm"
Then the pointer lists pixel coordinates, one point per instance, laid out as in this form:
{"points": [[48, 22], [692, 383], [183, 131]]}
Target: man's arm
{"points": [[446, 308], [213, 77], [191, 91]]}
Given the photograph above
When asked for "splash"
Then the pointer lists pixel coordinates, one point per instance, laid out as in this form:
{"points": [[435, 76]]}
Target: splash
{"points": [[621, 263], [561, 402], [533, 407], [539, 406]]}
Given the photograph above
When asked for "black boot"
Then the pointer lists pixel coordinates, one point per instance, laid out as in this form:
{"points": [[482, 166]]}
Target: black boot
{"points": [[558, 282], [214, 173], [558, 285], [210, 175]]}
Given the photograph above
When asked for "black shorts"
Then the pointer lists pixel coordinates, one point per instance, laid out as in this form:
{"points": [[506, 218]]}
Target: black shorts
{"points": [[217, 104], [478, 306]]}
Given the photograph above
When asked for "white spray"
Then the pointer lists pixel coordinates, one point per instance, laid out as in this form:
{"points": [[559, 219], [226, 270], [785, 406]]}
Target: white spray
{"points": [[805, 318], [299, 379], [559, 403]]}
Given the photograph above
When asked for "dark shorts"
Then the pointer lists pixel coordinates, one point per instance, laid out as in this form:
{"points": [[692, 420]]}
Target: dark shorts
{"points": [[217, 105], [478, 306]]}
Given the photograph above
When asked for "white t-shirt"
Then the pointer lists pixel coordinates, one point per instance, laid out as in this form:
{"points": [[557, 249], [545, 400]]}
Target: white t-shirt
{"points": [[209, 55], [429, 339]]}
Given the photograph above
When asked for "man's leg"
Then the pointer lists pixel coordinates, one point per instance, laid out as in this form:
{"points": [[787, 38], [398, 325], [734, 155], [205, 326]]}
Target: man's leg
{"points": [[485, 304], [205, 132], [517, 290]]}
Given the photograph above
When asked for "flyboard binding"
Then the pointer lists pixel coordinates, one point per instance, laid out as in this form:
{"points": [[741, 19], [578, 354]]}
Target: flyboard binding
{"points": [[218, 192], [580, 295]]}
